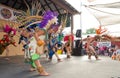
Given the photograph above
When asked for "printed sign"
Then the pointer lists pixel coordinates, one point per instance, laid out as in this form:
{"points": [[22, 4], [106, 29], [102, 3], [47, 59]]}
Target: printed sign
{"points": [[107, 44]]}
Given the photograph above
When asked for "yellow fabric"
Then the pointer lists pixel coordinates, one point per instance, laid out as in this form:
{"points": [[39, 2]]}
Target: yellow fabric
{"points": [[59, 51]]}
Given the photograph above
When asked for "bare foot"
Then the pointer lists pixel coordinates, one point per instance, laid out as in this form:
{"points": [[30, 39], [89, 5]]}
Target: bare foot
{"points": [[68, 56], [59, 60], [32, 69], [49, 60], [98, 59], [89, 58], [44, 73]]}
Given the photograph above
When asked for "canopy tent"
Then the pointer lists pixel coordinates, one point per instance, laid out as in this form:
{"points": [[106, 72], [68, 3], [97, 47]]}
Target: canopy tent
{"points": [[105, 13]]}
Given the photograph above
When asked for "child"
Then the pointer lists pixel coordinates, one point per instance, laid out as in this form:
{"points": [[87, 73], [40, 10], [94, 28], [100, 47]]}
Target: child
{"points": [[114, 56], [118, 54]]}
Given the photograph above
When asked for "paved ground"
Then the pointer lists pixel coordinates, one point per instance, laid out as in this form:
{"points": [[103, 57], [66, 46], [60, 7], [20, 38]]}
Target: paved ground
{"points": [[76, 67]]}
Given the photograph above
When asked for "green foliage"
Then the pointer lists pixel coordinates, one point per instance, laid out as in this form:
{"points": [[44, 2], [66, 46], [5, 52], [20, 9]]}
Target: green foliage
{"points": [[90, 31]]}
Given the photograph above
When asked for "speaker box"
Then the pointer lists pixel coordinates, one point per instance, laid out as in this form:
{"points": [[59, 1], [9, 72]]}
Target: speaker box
{"points": [[78, 33], [77, 43], [76, 52]]}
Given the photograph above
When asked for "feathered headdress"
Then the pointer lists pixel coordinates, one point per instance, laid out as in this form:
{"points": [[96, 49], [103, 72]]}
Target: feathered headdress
{"points": [[8, 29], [49, 18]]}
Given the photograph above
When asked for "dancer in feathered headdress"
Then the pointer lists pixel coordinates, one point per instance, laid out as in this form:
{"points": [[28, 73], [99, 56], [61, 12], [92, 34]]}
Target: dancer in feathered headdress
{"points": [[35, 25], [7, 38]]}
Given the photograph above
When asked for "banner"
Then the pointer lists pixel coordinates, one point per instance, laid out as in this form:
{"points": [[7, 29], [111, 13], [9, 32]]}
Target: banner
{"points": [[107, 44], [8, 14]]}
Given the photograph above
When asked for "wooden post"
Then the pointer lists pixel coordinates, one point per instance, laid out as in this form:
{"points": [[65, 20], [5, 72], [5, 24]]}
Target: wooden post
{"points": [[72, 27]]}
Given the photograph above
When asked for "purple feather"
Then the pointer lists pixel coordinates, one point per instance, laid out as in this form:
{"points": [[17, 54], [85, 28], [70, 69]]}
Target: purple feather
{"points": [[49, 15]]}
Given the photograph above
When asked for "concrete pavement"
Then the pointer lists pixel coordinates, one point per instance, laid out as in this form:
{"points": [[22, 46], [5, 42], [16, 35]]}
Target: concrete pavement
{"points": [[76, 67]]}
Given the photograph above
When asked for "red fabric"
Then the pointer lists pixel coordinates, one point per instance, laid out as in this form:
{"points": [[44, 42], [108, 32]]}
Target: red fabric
{"points": [[67, 38], [6, 38], [116, 43], [85, 46]]}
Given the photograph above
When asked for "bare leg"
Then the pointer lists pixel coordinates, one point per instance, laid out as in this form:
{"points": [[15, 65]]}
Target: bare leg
{"points": [[40, 69], [89, 55], [93, 50], [33, 66], [58, 58], [32, 69], [7, 53], [68, 54], [119, 57]]}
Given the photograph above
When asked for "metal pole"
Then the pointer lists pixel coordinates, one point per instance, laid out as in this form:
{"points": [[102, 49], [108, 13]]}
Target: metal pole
{"points": [[81, 18]]}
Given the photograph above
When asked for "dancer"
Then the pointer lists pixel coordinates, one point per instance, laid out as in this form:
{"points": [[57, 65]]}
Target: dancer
{"points": [[37, 52], [24, 40], [89, 48], [30, 18], [52, 47], [67, 46], [31, 43], [67, 49], [7, 39]]}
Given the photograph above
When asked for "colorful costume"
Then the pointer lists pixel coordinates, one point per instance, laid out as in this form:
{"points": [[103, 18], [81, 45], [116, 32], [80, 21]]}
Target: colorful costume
{"points": [[30, 49], [7, 38], [4, 42], [52, 47]]}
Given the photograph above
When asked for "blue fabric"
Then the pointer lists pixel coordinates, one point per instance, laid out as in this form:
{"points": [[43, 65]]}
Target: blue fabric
{"points": [[23, 38], [51, 53]]}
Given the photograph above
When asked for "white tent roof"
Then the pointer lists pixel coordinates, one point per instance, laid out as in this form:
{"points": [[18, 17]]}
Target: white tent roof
{"points": [[99, 12], [106, 14]]}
